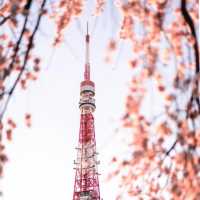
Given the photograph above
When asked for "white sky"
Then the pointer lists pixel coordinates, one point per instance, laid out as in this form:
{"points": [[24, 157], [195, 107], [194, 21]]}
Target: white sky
{"points": [[41, 158]]}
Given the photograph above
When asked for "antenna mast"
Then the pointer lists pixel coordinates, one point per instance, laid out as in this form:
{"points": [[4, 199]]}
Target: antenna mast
{"points": [[87, 56]]}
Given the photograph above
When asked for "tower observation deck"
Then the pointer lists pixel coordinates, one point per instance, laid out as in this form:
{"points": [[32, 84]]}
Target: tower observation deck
{"points": [[86, 185]]}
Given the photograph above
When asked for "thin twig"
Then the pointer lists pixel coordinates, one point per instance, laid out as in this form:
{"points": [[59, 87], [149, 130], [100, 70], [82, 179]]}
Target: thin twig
{"points": [[5, 19]]}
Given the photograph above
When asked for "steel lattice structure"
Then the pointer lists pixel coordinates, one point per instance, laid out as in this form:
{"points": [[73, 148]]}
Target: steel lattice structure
{"points": [[86, 186]]}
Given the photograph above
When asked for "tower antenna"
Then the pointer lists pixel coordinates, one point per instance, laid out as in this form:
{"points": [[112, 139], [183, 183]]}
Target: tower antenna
{"points": [[87, 55]]}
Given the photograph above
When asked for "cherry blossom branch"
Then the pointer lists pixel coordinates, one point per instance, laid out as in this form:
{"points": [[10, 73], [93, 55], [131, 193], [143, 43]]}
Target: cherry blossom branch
{"points": [[29, 47], [16, 48]]}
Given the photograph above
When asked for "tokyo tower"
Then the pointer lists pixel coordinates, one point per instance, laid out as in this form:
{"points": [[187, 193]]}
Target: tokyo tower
{"points": [[86, 185]]}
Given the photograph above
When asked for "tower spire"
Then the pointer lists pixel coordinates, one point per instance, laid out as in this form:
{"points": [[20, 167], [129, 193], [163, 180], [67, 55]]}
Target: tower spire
{"points": [[87, 56]]}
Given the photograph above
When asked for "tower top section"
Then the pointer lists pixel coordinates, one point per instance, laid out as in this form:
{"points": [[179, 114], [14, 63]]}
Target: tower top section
{"points": [[87, 57], [87, 89]]}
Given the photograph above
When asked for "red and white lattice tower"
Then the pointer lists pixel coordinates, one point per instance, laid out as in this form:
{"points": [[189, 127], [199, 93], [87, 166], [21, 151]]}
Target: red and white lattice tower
{"points": [[86, 186]]}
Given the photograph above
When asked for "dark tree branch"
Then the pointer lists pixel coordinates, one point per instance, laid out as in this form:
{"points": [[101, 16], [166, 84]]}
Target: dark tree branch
{"points": [[30, 44], [26, 9], [171, 148], [190, 23], [167, 153], [5, 19], [29, 47], [28, 5]]}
